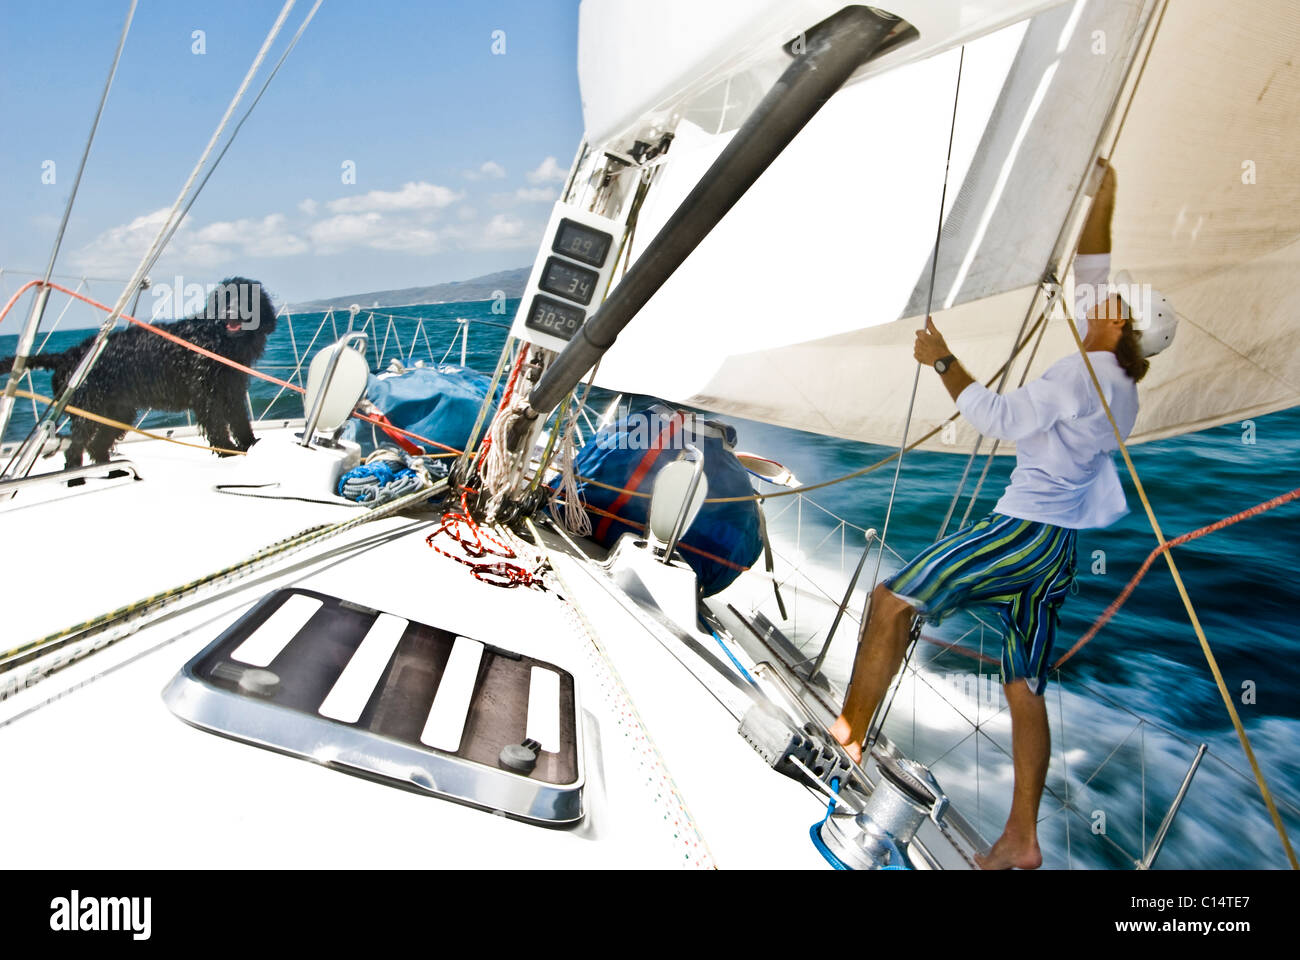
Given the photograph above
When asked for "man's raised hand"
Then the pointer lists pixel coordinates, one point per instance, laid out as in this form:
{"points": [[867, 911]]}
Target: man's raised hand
{"points": [[930, 345]]}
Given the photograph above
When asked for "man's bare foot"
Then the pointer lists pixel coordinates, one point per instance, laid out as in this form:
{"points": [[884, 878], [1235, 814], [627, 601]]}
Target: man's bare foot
{"points": [[1008, 854], [841, 732]]}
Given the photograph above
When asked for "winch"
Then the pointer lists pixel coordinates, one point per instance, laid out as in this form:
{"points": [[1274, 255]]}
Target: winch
{"points": [[877, 837], [871, 832]]}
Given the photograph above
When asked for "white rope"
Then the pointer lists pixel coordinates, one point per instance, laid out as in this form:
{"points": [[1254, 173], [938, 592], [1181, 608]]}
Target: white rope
{"points": [[501, 472], [576, 517]]}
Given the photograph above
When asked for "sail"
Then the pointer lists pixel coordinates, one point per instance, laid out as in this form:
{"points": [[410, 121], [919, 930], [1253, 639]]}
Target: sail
{"points": [[639, 63], [1209, 188], [799, 308]]}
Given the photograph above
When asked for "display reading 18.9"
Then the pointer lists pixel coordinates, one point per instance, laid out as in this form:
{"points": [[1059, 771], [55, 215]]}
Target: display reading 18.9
{"points": [[581, 242], [551, 316]]}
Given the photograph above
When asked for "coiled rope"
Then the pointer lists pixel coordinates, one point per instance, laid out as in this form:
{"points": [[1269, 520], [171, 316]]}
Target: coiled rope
{"points": [[460, 526]]}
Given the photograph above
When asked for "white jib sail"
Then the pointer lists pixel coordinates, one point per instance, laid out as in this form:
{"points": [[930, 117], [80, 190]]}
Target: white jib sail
{"points": [[800, 306]]}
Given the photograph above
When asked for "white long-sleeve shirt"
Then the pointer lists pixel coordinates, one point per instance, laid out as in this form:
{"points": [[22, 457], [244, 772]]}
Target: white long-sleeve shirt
{"points": [[1065, 474]]}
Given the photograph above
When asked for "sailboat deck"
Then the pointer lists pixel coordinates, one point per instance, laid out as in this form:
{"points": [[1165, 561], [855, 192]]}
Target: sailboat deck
{"points": [[108, 542], [653, 797]]}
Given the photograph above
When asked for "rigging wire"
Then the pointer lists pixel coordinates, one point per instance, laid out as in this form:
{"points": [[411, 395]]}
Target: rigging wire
{"points": [[988, 460], [916, 379], [26, 453], [38, 305], [929, 306], [233, 134]]}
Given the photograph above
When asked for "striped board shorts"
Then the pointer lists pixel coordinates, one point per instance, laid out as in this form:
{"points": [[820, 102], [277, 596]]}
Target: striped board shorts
{"points": [[1022, 568]]}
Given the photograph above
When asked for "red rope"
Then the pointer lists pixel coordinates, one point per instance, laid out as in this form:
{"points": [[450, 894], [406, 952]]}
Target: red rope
{"points": [[1176, 542], [471, 542], [664, 436], [166, 335], [505, 404], [394, 432]]}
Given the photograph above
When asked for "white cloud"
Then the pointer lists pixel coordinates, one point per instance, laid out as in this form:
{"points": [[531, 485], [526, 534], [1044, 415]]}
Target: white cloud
{"points": [[407, 240], [255, 238], [412, 196], [536, 194], [504, 232], [120, 248], [405, 221], [350, 230], [548, 172], [490, 170], [346, 230], [523, 195]]}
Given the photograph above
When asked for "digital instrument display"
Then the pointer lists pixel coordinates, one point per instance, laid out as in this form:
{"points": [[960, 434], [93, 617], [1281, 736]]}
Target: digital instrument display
{"points": [[566, 280], [582, 243], [559, 319]]}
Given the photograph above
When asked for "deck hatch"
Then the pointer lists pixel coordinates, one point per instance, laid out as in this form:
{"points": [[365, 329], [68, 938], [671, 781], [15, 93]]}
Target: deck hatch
{"points": [[394, 700]]}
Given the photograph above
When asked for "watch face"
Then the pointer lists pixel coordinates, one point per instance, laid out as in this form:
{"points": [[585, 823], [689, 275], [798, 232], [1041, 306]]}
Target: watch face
{"points": [[941, 366]]}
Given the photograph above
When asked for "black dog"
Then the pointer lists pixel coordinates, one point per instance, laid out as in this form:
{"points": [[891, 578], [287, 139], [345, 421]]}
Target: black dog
{"points": [[139, 369]]}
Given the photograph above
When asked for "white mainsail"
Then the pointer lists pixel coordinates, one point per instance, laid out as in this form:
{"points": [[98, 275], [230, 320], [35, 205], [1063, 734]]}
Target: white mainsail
{"points": [[1209, 180], [801, 313]]}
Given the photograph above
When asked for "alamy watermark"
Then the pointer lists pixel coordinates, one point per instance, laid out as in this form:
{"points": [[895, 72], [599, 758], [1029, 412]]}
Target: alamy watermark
{"points": [[240, 302], [983, 688], [644, 431], [1135, 295], [75, 913]]}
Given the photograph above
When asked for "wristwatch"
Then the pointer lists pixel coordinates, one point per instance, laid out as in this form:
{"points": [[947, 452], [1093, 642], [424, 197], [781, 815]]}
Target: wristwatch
{"points": [[943, 363]]}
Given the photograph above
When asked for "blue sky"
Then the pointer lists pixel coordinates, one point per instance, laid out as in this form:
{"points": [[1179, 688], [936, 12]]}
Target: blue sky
{"points": [[458, 151]]}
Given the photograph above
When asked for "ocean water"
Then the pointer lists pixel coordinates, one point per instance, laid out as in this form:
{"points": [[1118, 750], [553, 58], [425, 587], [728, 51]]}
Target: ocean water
{"points": [[1127, 711]]}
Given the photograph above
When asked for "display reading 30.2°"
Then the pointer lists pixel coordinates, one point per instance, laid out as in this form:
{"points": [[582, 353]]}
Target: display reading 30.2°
{"points": [[553, 317], [581, 242], [569, 280]]}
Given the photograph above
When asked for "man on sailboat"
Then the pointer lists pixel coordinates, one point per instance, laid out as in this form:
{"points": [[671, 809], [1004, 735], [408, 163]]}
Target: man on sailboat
{"points": [[1021, 557]]}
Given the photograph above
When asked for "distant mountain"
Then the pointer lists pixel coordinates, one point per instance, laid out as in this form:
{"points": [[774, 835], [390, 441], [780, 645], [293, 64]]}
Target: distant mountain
{"points": [[511, 282]]}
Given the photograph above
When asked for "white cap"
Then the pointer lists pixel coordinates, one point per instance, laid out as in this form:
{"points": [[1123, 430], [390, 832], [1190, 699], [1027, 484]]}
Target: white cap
{"points": [[1153, 315]]}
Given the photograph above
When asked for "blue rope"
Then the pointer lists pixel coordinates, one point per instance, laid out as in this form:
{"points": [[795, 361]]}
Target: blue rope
{"points": [[897, 861], [815, 831], [732, 657], [382, 478]]}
